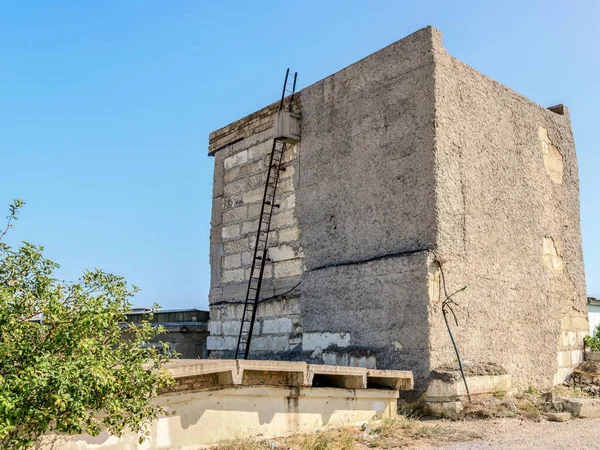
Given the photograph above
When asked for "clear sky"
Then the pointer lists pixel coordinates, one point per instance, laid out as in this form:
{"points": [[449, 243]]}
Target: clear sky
{"points": [[106, 107]]}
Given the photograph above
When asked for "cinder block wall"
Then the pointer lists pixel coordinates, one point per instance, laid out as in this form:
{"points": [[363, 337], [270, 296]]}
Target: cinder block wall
{"points": [[405, 150]]}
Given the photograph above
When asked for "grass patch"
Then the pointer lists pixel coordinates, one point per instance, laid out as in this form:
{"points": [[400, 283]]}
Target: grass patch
{"points": [[403, 431], [246, 443]]}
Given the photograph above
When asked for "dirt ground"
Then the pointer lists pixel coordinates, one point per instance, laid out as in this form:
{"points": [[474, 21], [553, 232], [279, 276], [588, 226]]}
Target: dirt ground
{"points": [[515, 434]]}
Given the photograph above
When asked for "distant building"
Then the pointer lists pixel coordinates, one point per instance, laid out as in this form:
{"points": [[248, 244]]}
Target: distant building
{"points": [[187, 329], [593, 313]]}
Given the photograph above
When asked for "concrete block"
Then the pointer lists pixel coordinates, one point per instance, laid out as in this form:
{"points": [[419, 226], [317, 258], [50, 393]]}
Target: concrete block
{"points": [[220, 343], [231, 328], [270, 343], [236, 160], [215, 327], [277, 326], [312, 341]]}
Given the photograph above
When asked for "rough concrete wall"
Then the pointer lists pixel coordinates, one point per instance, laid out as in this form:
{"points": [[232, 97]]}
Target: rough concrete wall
{"points": [[366, 186], [366, 196], [507, 213], [239, 179], [369, 314]]}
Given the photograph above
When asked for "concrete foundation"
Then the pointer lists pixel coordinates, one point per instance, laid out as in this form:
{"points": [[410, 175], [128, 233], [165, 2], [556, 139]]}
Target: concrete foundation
{"points": [[218, 400], [402, 154]]}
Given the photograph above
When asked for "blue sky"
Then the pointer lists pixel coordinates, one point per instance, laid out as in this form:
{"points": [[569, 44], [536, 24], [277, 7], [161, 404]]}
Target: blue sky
{"points": [[107, 107]]}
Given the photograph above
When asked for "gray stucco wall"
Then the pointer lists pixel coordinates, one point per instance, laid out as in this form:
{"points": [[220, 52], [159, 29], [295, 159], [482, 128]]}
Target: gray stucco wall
{"points": [[366, 194], [501, 206]]}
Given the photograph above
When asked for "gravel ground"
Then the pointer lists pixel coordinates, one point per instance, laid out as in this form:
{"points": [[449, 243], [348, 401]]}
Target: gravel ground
{"points": [[514, 434]]}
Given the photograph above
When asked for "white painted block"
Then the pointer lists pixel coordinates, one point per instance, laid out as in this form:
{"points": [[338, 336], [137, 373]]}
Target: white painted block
{"points": [[312, 341], [277, 326]]}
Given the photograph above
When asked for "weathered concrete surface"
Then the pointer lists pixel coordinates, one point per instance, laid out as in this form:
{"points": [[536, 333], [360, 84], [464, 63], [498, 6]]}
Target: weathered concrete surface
{"points": [[226, 399], [507, 225], [404, 151]]}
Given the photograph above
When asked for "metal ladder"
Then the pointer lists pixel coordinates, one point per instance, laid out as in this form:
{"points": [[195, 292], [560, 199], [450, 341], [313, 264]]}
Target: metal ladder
{"points": [[264, 226]]}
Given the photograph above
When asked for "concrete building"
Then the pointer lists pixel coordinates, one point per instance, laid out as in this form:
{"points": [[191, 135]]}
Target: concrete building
{"points": [[405, 153], [593, 314], [187, 329]]}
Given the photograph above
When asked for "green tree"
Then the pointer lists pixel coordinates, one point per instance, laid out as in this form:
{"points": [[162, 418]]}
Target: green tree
{"points": [[67, 363]]}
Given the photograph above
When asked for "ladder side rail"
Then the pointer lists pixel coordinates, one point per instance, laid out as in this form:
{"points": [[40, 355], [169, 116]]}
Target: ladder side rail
{"points": [[254, 259], [268, 229]]}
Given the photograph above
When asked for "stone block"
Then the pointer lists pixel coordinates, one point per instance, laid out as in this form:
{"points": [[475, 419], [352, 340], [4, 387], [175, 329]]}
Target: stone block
{"points": [[312, 341], [287, 268], [277, 326], [232, 262], [238, 246], [233, 276], [230, 232], [236, 160], [558, 417], [282, 253], [255, 195], [289, 235], [582, 407], [235, 214], [247, 258], [250, 226], [283, 220]]}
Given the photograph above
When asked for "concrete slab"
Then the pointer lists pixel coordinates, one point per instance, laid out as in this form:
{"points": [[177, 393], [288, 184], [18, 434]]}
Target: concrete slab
{"points": [[229, 372], [195, 420]]}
